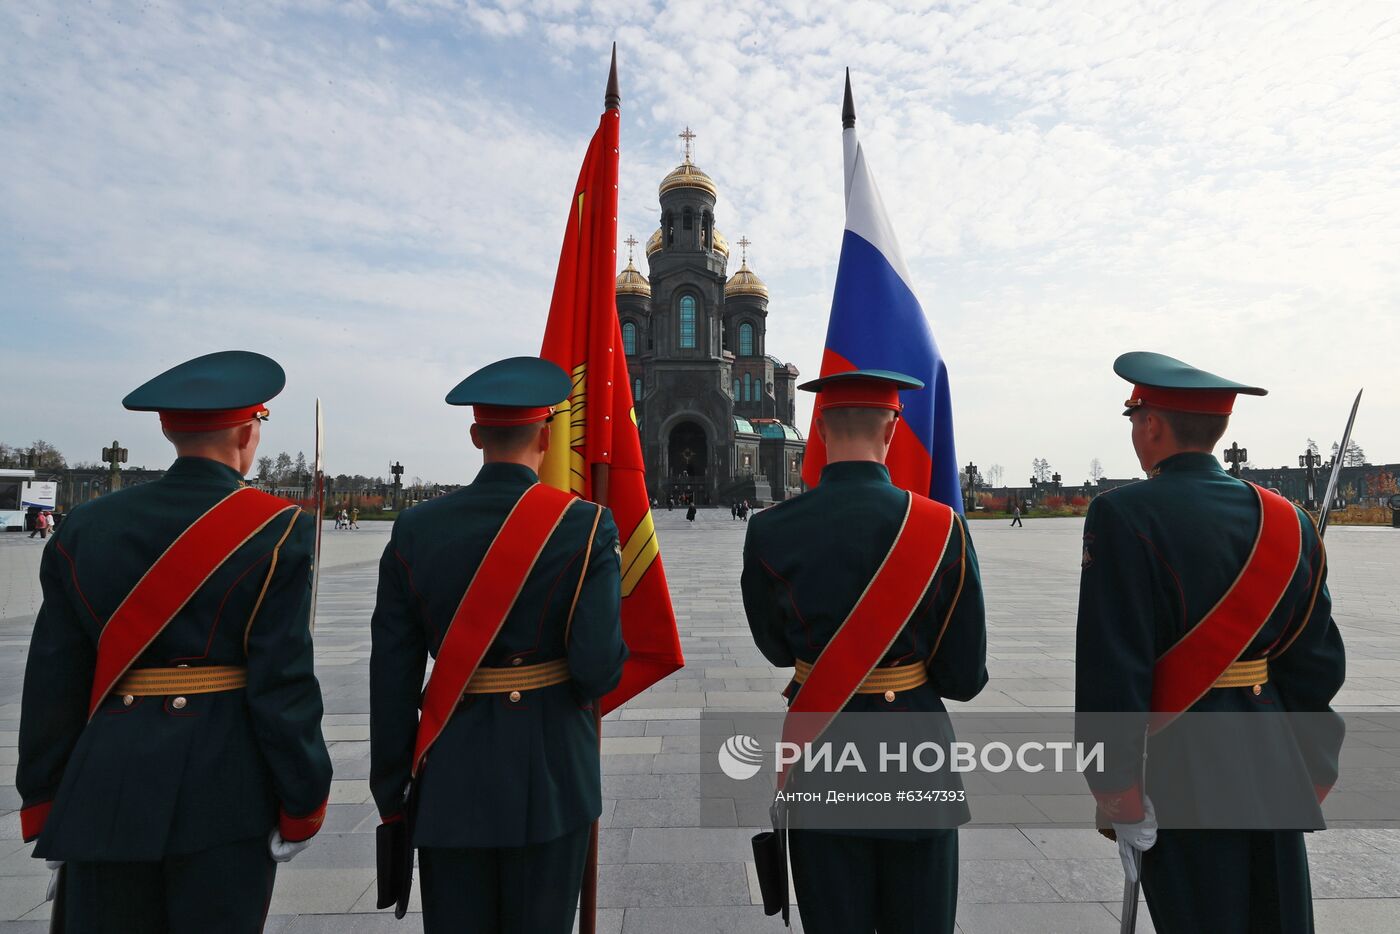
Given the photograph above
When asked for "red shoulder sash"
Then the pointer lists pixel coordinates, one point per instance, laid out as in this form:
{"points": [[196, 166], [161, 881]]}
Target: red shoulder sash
{"points": [[873, 623], [486, 604], [1186, 672], [175, 577]]}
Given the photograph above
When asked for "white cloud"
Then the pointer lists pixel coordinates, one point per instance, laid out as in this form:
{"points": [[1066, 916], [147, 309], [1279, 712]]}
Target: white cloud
{"points": [[378, 194]]}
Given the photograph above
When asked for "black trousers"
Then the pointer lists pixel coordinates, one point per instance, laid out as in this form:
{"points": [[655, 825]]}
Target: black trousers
{"points": [[1228, 882], [858, 885], [503, 890], [223, 890]]}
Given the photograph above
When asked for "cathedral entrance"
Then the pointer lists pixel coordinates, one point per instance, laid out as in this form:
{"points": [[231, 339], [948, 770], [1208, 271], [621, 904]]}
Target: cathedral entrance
{"points": [[687, 454]]}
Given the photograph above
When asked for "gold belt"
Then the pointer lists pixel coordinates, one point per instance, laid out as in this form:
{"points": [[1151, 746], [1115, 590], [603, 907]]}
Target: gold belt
{"points": [[519, 678], [1252, 673], [879, 681], [155, 682]]}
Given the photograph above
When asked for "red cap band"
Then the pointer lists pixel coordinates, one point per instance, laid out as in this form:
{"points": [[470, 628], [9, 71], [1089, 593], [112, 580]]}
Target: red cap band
{"points": [[1199, 401], [859, 394], [210, 420], [510, 414]]}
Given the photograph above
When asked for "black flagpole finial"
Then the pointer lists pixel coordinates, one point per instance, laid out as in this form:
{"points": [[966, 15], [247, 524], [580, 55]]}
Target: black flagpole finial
{"points": [[612, 99], [848, 108]]}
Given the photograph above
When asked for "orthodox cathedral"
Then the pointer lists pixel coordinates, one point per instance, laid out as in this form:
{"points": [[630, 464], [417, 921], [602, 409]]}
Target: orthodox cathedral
{"points": [[714, 407]]}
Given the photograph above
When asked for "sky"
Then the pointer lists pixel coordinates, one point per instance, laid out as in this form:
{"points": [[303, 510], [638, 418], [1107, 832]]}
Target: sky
{"points": [[374, 193]]}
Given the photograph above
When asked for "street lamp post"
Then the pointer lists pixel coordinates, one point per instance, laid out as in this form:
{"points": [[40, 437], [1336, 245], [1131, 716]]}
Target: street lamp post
{"points": [[397, 470], [1236, 456], [1310, 460], [971, 469], [114, 457]]}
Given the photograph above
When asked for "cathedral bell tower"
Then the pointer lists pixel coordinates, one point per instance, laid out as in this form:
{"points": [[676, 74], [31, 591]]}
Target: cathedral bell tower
{"points": [[686, 267], [697, 359]]}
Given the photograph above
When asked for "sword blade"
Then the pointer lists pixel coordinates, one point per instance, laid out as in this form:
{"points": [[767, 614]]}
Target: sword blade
{"points": [[320, 481], [1337, 462]]}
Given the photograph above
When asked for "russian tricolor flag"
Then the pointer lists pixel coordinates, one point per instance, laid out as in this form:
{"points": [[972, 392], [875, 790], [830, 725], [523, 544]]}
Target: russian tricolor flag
{"points": [[877, 324]]}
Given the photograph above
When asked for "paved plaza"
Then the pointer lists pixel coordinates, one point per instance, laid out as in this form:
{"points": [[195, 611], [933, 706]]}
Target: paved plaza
{"points": [[668, 862]]}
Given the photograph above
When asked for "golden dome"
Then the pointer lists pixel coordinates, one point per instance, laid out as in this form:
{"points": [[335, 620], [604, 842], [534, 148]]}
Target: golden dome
{"points": [[654, 242], [745, 282], [721, 244], [631, 281], [688, 175]]}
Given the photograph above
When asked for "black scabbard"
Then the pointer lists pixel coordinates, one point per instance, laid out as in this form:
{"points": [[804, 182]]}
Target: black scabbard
{"points": [[394, 857], [771, 863], [58, 923]]}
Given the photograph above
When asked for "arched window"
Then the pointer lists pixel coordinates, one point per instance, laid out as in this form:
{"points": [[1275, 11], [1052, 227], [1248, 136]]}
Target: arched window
{"points": [[629, 338], [736, 389], [687, 219], [637, 389], [746, 340], [748, 388], [688, 322]]}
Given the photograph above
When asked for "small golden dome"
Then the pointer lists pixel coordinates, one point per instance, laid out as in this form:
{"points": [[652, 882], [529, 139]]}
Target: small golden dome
{"points": [[745, 282], [631, 281], [688, 175], [654, 242], [721, 244]]}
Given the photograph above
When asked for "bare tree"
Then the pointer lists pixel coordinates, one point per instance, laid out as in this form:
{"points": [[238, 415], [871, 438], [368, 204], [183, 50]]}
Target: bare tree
{"points": [[1355, 457], [1096, 470], [1040, 469], [994, 475], [38, 455]]}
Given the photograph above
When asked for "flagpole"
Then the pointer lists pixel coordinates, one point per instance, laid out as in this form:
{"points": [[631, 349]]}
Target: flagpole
{"points": [[588, 896]]}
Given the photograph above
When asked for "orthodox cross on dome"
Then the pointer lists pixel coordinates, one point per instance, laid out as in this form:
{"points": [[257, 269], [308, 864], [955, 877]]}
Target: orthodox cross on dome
{"points": [[631, 242], [744, 244], [688, 136]]}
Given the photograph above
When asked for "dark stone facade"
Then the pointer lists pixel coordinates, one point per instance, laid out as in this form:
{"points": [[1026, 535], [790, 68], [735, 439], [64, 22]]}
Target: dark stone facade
{"points": [[714, 408]]}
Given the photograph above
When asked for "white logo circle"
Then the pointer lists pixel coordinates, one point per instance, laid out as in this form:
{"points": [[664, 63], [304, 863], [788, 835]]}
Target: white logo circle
{"points": [[740, 757]]}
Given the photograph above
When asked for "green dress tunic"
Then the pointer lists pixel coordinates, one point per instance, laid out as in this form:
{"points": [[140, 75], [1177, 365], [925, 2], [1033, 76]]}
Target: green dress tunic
{"points": [[1158, 555], [806, 563]]}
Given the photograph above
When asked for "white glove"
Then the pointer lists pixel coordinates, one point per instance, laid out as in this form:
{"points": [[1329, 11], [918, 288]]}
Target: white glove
{"points": [[53, 866], [1137, 837], [283, 850]]}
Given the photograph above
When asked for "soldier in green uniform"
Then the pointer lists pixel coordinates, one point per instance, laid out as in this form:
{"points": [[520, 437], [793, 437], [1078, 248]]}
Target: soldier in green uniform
{"points": [[170, 732], [1159, 557], [505, 756], [807, 562]]}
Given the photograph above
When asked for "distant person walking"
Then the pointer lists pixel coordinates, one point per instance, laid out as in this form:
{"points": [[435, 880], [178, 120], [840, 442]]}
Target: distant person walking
{"points": [[355, 517], [42, 523], [1016, 517], [690, 513], [744, 510]]}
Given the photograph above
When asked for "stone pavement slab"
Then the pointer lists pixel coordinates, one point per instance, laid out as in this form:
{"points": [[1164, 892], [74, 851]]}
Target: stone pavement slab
{"points": [[665, 864]]}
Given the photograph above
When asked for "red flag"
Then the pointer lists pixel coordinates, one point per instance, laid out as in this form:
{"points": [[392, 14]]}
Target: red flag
{"points": [[595, 450]]}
